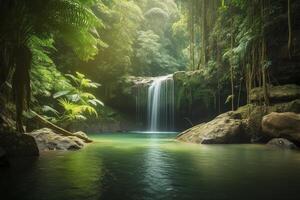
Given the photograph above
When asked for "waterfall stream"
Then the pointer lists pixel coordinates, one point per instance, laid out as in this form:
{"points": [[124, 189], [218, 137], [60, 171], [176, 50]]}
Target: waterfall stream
{"points": [[160, 104]]}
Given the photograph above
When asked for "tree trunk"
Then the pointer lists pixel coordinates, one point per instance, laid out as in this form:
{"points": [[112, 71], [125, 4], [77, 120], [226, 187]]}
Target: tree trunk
{"points": [[290, 29], [192, 35], [204, 29], [231, 69], [263, 57]]}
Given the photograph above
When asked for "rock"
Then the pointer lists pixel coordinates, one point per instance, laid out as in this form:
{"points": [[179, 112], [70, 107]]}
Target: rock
{"points": [[281, 143], [16, 144], [285, 125], [252, 116], [47, 139], [224, 129], [82, 134], [3, 158], [282, 93]]}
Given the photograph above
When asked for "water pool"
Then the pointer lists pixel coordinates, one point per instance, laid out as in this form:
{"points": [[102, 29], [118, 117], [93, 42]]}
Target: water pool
{"points": [[141, 166]]}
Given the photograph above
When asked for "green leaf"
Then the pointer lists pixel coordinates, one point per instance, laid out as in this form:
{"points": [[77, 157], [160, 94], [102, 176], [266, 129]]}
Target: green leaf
{"points": [[229, 99], [60, 94], [49, 109]]}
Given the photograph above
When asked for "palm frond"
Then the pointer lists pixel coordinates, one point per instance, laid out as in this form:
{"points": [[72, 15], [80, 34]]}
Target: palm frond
{"points": [[60, 94], [49, 109]]}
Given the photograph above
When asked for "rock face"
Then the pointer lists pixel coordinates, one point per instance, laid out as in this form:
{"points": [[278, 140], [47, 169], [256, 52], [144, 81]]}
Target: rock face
{"points": [[47, 139], [285, 125], [224, 129], [252, 116], [250, 119], [281, 143], [16, 144], [194, 97], [194, 94], [282, 93]]}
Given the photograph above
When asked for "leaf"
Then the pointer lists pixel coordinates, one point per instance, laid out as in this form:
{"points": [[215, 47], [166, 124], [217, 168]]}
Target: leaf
{"points": [[79, 117], [87, 95], [75, 79], [49, 109], [92, 102], [74, 109], [80, 76], [95, 102], [74, 97], [94, 85], [60, 94], [99, 102], [229, 99]]}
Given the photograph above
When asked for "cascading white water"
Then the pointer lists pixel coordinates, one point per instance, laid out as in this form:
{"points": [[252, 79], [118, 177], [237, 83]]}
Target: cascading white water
{"points": [[161, 104]]}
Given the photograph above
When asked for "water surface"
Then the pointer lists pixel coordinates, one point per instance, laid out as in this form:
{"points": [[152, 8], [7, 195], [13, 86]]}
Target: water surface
{"points": [[154, 166]]}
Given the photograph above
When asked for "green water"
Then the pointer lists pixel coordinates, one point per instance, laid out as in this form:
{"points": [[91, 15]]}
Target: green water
{"points": [[154, 166]]}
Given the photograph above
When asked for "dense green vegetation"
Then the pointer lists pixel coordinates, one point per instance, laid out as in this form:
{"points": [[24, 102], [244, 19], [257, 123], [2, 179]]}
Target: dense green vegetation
{"points": [[135, 83], [44, 43]]}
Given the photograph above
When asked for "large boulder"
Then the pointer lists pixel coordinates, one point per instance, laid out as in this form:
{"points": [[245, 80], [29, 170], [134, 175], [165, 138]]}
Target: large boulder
{"points": [[285, 125], [252, 116], [47, 139], [282, 93], [17, 144], [224, 129], [281, 143]]}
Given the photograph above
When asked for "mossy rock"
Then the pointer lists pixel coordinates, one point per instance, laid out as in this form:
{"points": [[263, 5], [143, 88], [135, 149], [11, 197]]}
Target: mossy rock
{"points": [[282, 93], [224, 129]]}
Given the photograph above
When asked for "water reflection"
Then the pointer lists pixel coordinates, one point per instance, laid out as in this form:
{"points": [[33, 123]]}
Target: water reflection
{"points": [[145, 166], [156, 174]]}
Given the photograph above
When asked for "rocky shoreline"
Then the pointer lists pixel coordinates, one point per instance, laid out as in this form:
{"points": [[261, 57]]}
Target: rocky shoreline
{"points": [[48, 140], [31, 144], [277, 124]]}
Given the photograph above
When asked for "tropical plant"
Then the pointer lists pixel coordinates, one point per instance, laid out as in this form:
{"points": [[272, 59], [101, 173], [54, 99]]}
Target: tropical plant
{"points": [[76, 102], [24, 21], [73, 111]]}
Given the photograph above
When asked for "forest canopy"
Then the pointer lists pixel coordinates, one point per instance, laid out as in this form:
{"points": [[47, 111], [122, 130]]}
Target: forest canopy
{"points": [[46, 44]]}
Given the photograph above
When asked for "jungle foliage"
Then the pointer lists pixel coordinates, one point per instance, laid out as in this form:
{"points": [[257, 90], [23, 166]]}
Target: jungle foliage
{"points": [[43, 42], [233, 39]]}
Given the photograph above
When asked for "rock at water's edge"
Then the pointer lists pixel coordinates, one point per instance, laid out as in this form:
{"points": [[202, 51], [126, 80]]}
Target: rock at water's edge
{"points": [[17, 144], [47, 139], [284, 125], [224, 129], [81, 134], [281, 143]]}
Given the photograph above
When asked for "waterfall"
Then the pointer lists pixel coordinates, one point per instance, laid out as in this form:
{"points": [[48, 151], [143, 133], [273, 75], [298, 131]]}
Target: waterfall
{"points": [[160, 104]]}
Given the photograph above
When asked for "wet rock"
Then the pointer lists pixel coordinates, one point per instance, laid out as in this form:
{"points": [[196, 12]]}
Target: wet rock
{"points": [[282, 93], [16, 144], [281, 143], [47, 139], [284, 125], [224, 129]]}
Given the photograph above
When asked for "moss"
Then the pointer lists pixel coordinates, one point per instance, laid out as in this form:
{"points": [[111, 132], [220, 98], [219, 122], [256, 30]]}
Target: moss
{"points": [[252, 115]]}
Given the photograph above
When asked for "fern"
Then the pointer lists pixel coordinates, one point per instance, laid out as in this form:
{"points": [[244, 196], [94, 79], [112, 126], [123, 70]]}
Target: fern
{"points": [[24, 22], [76, 111]]}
